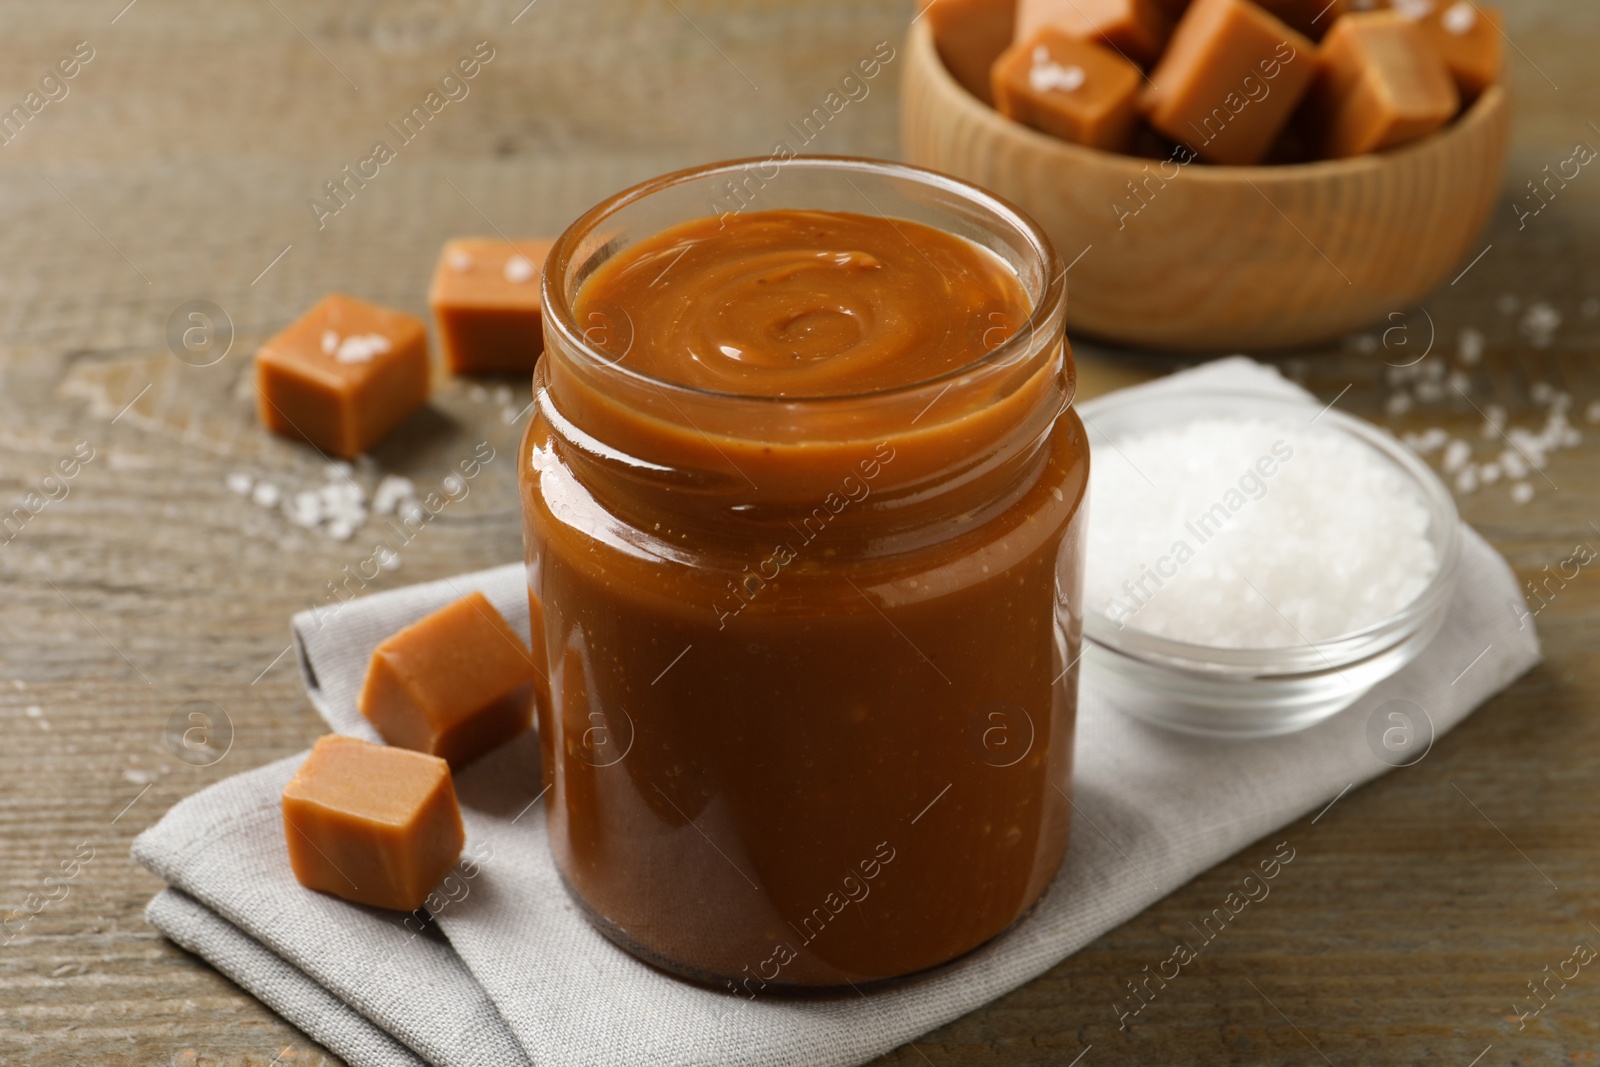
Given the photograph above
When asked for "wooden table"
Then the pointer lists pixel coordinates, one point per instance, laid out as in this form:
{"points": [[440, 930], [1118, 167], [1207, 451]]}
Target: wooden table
{"points": [[178, 167]]}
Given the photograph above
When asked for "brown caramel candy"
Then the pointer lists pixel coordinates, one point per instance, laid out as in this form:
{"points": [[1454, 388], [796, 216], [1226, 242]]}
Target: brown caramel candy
{"points": [[1467, 35], [1230, 79], [1379, 84], [970, 35], [485, 299], [371, 824], [1137, 29], [343, 375], [1070, 88], [454, 684]]}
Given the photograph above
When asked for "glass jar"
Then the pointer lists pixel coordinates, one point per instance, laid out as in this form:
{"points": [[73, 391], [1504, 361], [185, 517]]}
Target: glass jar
{"points": [[812, 678]]}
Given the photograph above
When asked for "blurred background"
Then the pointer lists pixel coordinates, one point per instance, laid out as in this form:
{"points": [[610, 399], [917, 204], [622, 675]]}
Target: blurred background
{"points": [[179, 165]]}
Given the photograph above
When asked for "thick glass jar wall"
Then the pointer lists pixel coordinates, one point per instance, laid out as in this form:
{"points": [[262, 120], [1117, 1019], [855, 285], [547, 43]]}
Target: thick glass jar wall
{"points": [[810, 705]]}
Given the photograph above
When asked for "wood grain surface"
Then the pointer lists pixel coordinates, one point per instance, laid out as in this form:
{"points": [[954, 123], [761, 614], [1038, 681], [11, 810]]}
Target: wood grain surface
{"points": [[178, 167]]}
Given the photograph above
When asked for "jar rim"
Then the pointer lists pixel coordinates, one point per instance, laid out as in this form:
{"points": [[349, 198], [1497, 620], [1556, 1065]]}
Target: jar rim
{"points": [[1048, 303]]}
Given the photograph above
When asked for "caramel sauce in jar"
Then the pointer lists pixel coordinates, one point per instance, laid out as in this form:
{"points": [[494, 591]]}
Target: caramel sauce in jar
{"points": [[802, 502]]}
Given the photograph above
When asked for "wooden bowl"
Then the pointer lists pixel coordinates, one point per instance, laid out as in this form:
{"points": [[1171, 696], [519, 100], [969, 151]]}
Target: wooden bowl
{"points": [[1222, 258]]}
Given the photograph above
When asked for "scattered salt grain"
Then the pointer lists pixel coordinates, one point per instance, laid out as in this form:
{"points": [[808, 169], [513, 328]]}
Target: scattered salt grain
{"points": [[1489, 473], [1334, 540], [1467, 479], [305, 508], [1592, 412], [478, 394], [1540, 323], [460, 261], [394, 489], [361, 347], [340, 506], [1397, 404], [1460, 382], [1430, 392], [1469, 346], [1507, 304], [1513, 464], [1429, 440], [1047, 75], [1459, 18], [1542, 392], [330, 342], [1456, 455], [1527, 444], [1521, 493], [519, 269], [33, 711]]}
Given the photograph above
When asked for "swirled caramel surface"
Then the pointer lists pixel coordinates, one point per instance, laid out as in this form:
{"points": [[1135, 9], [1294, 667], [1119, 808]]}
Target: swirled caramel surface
{"points": [[801, 303]]}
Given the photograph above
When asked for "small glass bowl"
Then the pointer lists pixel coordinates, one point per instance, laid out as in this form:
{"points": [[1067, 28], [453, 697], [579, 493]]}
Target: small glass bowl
{"points": [[1260, 692]]}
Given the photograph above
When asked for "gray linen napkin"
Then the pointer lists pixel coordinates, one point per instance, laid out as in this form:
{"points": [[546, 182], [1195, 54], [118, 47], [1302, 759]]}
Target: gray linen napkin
{"points": [[279, 985], [524, 973]]}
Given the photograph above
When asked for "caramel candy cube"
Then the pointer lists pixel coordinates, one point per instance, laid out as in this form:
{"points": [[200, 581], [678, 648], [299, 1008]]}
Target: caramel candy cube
{"points": [[1136, 29], [1467, 36], [1231, 77], [371, 824], [1379, 84], [1074, 90], [969, 36], [485, 299], [454, 684], [343, 375]]}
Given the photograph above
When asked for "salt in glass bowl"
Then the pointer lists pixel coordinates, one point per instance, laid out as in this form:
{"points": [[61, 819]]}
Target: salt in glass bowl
{"points": [[1260, 692]]}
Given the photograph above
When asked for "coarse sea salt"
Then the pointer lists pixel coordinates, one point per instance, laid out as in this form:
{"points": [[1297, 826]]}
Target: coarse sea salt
{"points": [[1253, 534], [1459, 18], [1046, 75], [339, 507], [519, 269]]}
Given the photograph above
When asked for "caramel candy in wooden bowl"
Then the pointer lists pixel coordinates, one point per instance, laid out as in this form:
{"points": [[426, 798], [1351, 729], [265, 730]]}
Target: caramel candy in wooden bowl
{"points": [[1208, 258]]}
